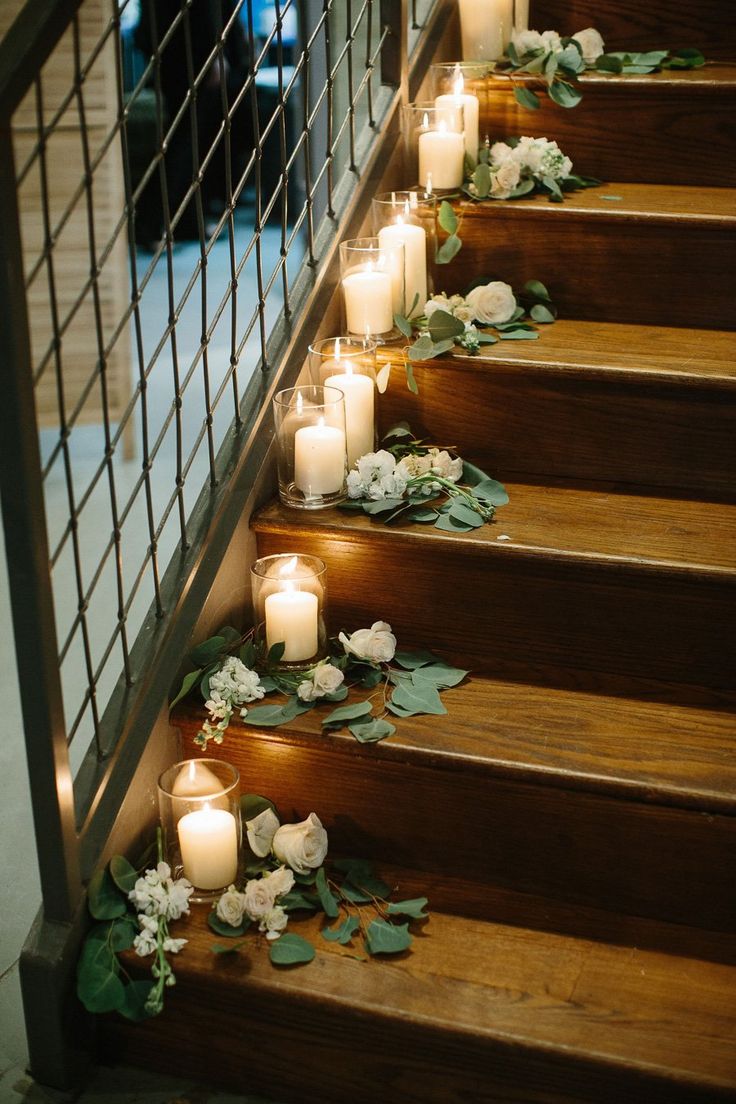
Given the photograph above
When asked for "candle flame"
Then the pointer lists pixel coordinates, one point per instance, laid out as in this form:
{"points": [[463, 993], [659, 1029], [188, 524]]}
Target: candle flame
{"points": [[428, 185], [458, 84], [425, 121], [399, 220], [290, 566], [299, 402], [337, 348]]}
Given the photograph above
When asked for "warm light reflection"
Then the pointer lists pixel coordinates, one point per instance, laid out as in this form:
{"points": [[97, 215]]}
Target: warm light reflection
{"points": [[299, 402], [458, 84], [290, 566], [425, 121], [337, 348]]}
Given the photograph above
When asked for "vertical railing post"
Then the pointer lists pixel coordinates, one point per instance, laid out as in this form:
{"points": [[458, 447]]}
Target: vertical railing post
{"points": [[395, 54], [27, 554]]}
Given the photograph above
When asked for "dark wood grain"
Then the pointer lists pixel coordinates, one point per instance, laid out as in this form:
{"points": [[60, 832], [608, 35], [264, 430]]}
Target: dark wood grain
{"points": [[637, 417], [476, 1011], [656, 255], [656, 25], [594, 579], [632, 129]]}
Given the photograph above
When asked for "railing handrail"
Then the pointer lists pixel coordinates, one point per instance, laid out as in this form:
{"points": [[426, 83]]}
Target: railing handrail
{"points": [[26, 46]]}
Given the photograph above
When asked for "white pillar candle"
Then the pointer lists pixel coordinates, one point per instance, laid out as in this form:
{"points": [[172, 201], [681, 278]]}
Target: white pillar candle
{"points": [[360, 419], [414, 240], [209, 848], [368, 301], [485, 27], [196, 780], [292, 617], [471, 110], [441, 158], [319, 459], [521, 15]]}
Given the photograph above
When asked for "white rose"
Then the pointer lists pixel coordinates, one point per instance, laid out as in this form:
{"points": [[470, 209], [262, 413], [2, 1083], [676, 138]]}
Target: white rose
{"points": [[591, 43], [493, 303], [259, 897], [280, 881], [409, 467], [444, 466], [356, 486], [260, 831], [301, 846], [500, 153], [230, 907], [274, 922], [376, 644], [526, 41], [325, 680], [503, 182], [439, 302], [374, 465], [551, 41]]}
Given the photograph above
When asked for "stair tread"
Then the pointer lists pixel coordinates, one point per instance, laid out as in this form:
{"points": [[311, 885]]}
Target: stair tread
{"points": [[706, 206], [604, 349], [495, 983], [714, 75], [589, 524]]}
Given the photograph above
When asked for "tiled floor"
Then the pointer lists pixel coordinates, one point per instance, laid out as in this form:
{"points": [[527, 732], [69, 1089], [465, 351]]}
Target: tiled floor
{"points": [[20, 895]]}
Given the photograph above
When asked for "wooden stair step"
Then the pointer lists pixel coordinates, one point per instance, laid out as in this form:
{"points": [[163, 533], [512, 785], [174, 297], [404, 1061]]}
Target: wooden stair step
{"points": [[564, 783], [589, 578], [628, 127], [476, 1011], [653, 253], [656, 25], [632, 404]]}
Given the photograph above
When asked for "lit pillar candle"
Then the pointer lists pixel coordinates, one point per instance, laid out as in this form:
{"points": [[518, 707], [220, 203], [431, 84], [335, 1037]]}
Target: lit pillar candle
{"points": [[319, 459], [485, 27], [368, 301], [292, 617], [209, 848], [360, 418], [521, 15], [414, 240], [471, 109], [196, 780], [441, 158]]}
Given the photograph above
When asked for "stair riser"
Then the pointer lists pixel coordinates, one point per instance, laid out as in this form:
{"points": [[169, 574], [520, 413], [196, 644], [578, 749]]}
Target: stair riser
{"points": [[307, 1052], [516, 423], [604, 268], [626, 132], [499, 607], [656, 25], [574, 847]]}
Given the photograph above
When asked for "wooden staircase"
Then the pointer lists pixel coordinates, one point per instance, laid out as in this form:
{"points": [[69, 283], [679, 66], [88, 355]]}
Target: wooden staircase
{"points": [[573, 818]]}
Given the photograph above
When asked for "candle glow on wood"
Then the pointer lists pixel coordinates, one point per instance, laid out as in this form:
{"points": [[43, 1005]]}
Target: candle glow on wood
{"points": [[292, 618], [441, 157], [471, 110], [485, 27], [209, 847], [360, 418]]}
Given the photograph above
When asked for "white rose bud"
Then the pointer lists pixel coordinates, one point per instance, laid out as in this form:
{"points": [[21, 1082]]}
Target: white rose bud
{"points": [[591, 43], [503, 182], [260, 832], [259, 897], [280, 881], [274, 922], [326, 679], [376, 644], [230, 907], [493, 303], [301, 846]]}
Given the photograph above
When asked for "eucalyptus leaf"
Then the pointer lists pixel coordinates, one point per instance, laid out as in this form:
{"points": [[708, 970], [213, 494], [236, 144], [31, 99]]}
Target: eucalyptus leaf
{"points": [[100, 990], [370, 732], [122, 933], [526, 98], [460, 511], [371, 678], [444, 346], [226, 949], [537, 290], [420, 697], [552, 186], [414, 908], [447, 217], [524, 187], [383, 505], [188, 682], [290, 950], [571, 59], [422, 514], [347, 713], [607, 63], [136, 993], [542, 314], [448, 524], [327, 899], [344, 932], [103, 897], [276, 652], [440, 675], [411, 383], [383, 376], [208, 651], [354, 895], [122, 873], [404, 325], [397, 432], [268, 683], [564, 94], [482, 181], [442, 324], [247, 654], [384, 938], [519, 335], [252, 805], [490, 490], [230, 931], [410, 660], [449, 249], [297, 900], [268, 716], [354, 867]]}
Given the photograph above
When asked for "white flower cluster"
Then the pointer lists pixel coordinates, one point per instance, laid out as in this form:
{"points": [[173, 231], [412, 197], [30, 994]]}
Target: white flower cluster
{"points": [[300, 847], [232, 686], [323, 679], [380, 475], [490, 304], [530, 158], [590, 41], [158, 897]]}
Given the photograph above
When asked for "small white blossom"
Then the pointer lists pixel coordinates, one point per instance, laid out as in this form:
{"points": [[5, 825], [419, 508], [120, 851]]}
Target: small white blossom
{"points": [[173, 946], [274, 922]]}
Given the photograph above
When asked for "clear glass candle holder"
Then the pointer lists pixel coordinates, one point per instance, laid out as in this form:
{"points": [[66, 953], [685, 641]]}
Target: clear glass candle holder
{"points": [[289, 604], [434, 145], [349, 364], [372, 281], [311, 446], [463, 84], [410, 217], [485, 28], [199, 806]]}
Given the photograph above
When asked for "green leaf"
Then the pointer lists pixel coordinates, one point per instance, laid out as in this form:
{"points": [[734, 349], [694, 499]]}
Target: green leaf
{"points": [[370, 732], [411, 383], [98, 986], [607, 63], [422, 514], [537, 290], [447, 217], [422, 349], [404, 325], [276, 653], [449, 249], [482, 181], [368, 882], [290, 950], [371, 678], [524, 187], [448, 524], [122, 933], [419, 698], [103, 897], [208, 651], [122, 873], [490, 490], [221, 928], [540, 313], [486, 339], [225, 949], [326, 897], [347, 713], [526, 98], [397, 432], [460, 511], [187, 683], [383, 505], [268, 716], [552, 187], [385, 938], [134, 1001], [414, 908], [247, 654], [252, 805], [444, 346], [410, 660], [442, 325], [519, 335], [344, 932], [564, 94], [571, 59], [440, 675], [298, 900]]}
